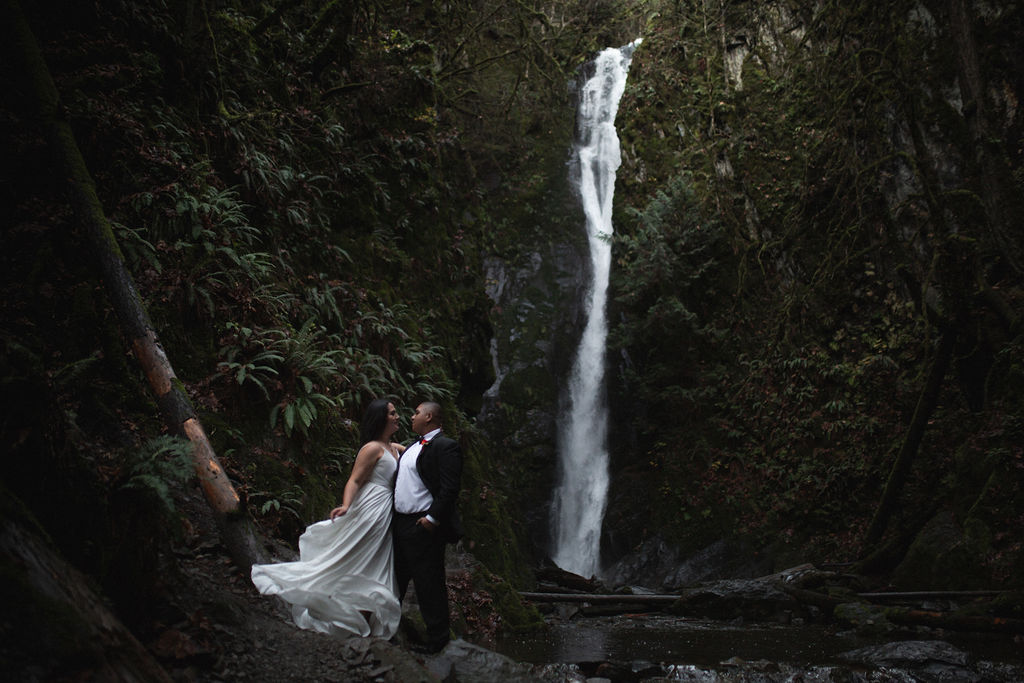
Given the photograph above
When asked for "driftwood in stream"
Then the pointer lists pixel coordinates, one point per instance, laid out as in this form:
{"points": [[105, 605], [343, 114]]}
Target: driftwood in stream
{"points": [[236, 527], [953, 621], [859, 609], [872, 617], [757, 598], [808, 596], [802, 592], [554, 575], [889, 596], [830, 601], [601, 598]]}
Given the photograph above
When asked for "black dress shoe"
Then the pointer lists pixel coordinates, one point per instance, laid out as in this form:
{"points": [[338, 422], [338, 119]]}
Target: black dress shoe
{"points": [[428, 648]]}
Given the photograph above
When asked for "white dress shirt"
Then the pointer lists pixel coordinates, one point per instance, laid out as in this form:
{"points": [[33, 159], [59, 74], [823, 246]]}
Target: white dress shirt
{"points": [[411, 494]]}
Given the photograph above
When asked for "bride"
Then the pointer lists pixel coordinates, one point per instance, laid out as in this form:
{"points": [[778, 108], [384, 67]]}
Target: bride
{"points": [[344, 581]]}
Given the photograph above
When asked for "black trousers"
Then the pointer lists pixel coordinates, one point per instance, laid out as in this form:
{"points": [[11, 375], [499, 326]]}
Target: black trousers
{"points": [[419, 557]]}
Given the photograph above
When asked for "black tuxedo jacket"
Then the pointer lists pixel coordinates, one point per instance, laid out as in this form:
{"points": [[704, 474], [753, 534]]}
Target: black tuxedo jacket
{"points": [[440, 467]]}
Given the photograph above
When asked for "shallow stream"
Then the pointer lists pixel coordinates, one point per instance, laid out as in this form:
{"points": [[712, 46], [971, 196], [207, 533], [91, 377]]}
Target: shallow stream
{"points": [[668, 640]]}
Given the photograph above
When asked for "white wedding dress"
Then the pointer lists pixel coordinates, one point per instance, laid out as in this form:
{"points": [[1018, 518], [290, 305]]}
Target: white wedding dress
{"points": [[345, 567]]}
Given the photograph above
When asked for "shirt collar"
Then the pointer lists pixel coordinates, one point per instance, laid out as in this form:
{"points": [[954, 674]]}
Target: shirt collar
{"points": [[430, 435]]}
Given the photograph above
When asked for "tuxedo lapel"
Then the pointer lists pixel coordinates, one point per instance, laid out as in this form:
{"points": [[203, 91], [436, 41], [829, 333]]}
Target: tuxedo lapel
{"points": [[426, 468]]}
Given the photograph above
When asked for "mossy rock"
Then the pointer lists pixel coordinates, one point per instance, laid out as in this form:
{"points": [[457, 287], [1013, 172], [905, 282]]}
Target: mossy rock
{"points": [[946, 556], [484, 603], [532, 385], [867, 619], [488, 513]]}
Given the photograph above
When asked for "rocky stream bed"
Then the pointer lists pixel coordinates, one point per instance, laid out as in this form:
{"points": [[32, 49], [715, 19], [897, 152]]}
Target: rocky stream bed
{"points": [[742, 630], [205, 622]]}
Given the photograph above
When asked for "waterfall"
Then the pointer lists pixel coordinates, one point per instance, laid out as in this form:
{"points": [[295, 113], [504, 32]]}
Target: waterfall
{"points": [[581, 496]]}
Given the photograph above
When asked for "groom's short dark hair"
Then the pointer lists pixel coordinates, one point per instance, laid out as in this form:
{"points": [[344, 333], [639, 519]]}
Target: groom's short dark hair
{"points": [[434, 409]]}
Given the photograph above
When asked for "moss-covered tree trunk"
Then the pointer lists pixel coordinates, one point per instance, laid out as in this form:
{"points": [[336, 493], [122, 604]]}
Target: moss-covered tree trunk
{"points": [[987, 147], [912, 442], [176, 409]]}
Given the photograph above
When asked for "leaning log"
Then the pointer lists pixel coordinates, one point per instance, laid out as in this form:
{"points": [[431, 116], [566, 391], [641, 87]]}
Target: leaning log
{"points": [[601, 598], [178, 413]]}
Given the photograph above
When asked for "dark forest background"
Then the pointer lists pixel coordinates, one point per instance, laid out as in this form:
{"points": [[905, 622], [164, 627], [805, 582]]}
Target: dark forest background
{"points": [[817, 287]]}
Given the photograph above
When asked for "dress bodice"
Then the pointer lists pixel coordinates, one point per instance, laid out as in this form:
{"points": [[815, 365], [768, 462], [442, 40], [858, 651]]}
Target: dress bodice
{"points": [[384, 471]]}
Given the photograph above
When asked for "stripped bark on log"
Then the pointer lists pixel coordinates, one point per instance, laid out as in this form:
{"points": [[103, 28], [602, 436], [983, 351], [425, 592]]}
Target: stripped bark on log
{"points": [[176, 408]]}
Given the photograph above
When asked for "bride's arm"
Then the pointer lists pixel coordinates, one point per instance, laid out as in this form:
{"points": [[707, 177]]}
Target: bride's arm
{"points": [[361, 471], [397, 447]]}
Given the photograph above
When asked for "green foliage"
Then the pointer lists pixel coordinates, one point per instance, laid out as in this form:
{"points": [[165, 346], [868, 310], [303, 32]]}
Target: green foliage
{"points": [[491, 532], [305, 196], [306, 371], [159, 467], [667, 278], [283, 502], [786, 342], [308, 223]]}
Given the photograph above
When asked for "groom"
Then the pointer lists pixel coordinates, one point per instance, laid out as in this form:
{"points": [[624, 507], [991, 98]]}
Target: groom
{"points": [[426, 518]]}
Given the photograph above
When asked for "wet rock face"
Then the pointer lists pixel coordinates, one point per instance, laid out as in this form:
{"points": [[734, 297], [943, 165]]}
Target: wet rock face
{"points": [[535, 315], [658, 565]]}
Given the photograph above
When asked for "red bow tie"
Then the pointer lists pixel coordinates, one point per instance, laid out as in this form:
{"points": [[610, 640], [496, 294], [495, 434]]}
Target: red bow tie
{"points": [[424, 442]]}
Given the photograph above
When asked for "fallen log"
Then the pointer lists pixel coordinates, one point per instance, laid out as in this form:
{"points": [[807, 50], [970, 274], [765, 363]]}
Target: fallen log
{"points": [[928, 595], [829, 603], [817, 598], [953, 621], [605, 598], [814, 597], [553, 574]]}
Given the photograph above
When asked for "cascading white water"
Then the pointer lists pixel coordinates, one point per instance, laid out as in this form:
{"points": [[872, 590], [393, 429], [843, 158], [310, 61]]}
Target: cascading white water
{"points": [[581, 495]]}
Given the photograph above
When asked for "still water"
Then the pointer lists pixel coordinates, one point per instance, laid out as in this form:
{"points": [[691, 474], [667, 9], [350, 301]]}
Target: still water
{"points": [[663, 639]]}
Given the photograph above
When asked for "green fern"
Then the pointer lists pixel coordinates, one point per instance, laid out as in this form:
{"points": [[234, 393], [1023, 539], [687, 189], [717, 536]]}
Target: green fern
{"points": [[289, 501], [159, 466]]}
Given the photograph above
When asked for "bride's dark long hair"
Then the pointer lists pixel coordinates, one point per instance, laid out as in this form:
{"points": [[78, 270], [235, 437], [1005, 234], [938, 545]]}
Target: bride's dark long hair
{"points": [[374, 420]]}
